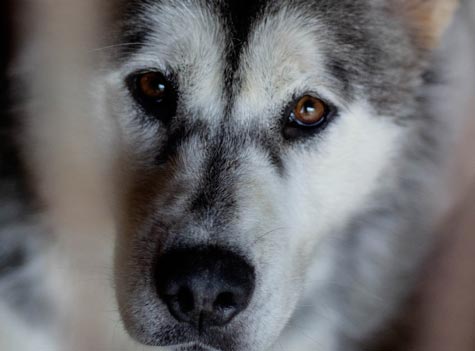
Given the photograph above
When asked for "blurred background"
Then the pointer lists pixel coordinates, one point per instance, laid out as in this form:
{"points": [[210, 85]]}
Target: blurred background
{"points": [[56, 286]]}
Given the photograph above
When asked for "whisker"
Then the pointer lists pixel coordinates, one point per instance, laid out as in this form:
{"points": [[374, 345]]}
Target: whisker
{"points": [[114, 46], [262, 236]]}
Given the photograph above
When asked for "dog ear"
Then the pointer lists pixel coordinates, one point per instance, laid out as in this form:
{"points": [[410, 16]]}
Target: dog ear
{"points": [[428, 19]]}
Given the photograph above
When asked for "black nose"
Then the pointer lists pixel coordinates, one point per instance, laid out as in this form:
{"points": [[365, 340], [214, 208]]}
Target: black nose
{"points": [[204, 286]]}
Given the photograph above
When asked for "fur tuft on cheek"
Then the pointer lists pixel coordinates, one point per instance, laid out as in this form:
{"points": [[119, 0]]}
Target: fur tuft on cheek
{"points": [[428, 19]]}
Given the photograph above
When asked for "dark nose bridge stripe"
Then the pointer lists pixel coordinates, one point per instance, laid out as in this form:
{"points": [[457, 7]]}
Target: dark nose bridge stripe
{"points": [[217, 179], [219, 176]]}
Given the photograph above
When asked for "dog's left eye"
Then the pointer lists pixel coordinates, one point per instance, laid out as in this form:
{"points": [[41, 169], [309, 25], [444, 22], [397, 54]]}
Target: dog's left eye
{"points": [[154, 93], [308, 114]]}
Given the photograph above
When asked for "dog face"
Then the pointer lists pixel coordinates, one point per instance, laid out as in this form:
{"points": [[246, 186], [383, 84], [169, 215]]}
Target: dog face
{"points": [[250, 138]]}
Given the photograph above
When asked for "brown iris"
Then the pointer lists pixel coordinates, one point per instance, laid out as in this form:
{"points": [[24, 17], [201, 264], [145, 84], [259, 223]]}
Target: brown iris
{"points": [[309, 111], [152, 85]]}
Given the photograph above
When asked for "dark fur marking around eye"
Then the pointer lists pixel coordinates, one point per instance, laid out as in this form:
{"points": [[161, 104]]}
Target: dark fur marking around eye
{"points": [[178, 135], [274, 154], [267, 141]]}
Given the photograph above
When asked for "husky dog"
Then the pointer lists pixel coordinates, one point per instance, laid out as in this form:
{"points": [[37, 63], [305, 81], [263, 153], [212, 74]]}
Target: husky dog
{"points": [[279, 165], [279, 162]]}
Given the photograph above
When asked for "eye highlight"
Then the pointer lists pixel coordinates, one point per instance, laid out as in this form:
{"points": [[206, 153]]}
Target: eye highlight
{"points": [[306, 116], [154, 93]]}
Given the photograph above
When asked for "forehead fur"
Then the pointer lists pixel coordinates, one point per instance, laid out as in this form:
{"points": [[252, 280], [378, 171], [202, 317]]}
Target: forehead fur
{"points": [[356, 47]]}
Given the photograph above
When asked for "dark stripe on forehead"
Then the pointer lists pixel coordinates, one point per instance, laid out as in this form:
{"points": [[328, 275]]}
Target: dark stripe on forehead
{"points": [[240, 15]]}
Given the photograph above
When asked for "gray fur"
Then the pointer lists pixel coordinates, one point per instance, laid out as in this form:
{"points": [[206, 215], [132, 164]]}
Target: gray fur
{"points": [[335, 224]]}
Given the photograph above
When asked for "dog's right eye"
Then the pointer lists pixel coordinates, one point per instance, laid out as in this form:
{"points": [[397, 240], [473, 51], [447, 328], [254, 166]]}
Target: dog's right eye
{"points": [[154, 93]]}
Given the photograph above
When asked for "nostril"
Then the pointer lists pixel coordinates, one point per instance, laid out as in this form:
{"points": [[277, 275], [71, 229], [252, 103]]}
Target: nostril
{"points": [[204, 286], [185, 300], [225, 300]]}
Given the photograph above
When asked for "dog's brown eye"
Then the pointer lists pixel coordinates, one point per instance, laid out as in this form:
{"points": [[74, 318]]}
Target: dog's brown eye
{"points": [[307, 116], [154, 93], [152, 85], [309, 111]]}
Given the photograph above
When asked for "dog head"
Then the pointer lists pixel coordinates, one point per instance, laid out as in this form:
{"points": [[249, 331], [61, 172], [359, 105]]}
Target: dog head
{"points": [[250, 136]]}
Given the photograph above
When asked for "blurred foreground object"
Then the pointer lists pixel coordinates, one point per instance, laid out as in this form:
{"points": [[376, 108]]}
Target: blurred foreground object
{"points": [[449, 307]]}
